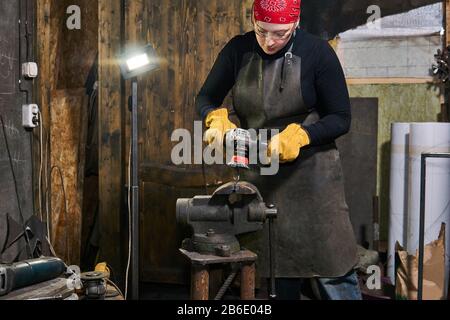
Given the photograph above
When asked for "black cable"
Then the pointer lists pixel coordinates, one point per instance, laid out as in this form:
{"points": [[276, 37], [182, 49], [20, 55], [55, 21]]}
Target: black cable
{"points": [[32, 170], [119, 292], [22, 219], [204, 177], [65, 206], [27, 91], [27, 31], [43, 184], [112, 274]]}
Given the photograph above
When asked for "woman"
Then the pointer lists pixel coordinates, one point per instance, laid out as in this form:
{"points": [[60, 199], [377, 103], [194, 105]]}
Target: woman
{"points": [[285, 78]]}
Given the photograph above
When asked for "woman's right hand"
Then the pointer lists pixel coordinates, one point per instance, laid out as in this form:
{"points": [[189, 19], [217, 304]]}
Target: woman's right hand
{"points": [[218, 124]]}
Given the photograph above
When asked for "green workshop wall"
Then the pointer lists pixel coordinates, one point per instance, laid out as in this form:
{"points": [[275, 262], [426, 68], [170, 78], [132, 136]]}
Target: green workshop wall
{"points": [[397, 103]]}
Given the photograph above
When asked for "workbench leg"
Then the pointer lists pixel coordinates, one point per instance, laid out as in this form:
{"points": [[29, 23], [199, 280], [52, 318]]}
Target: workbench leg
{"points": [[199, 282], [248, 282]]}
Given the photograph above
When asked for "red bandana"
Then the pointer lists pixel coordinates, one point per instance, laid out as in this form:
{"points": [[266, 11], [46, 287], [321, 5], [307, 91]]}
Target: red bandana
{"points": [[277, 11]]}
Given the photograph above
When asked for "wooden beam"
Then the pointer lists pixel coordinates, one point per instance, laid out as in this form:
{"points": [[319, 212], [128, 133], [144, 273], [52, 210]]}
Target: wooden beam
{"points": [[110, 134], [67, 141], [48, 20], [43, 87], [355, 81], [66, 150], [186, 176]]}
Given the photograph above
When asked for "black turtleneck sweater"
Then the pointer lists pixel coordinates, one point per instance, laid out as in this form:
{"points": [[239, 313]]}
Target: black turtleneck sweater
{"points": [[323, 83]]}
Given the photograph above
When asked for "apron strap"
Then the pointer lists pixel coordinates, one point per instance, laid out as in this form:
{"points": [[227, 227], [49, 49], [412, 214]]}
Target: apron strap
{"points": [[286, 64]]}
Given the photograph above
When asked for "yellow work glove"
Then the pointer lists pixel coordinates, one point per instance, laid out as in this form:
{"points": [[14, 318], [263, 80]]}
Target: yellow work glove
{"points": [[103, 267], [287, 144], [218, 124]]}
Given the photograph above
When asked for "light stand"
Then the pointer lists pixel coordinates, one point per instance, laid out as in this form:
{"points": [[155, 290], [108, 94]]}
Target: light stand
{"points": [[134, 194], [135, 62]]}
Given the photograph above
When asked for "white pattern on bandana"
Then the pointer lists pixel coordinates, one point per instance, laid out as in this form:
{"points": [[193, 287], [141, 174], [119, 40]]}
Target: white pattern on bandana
{"points": [[274, 5]]}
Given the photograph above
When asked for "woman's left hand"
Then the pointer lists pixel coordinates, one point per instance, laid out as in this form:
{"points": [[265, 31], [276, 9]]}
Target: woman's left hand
{"points": [[287, 144]]}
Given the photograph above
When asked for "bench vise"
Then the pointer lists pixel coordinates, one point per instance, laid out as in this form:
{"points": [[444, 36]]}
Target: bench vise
{"points": [[234, 208]]}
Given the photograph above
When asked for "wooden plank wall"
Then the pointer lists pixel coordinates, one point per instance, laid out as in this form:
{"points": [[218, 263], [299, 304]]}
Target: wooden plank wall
{"points": [[79, 47], [48, 42], [65, 57], [111, 181], [189, 36], [67, 142], [46, 57]]}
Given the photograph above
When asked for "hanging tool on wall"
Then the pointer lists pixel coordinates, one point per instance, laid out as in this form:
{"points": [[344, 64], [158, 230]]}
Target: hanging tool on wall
{"points": [[441, 71], [442, 67]]}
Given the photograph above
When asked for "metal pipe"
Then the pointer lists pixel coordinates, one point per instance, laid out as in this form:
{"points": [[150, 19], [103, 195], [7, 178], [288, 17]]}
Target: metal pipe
{"points": [[273, 293], [421, 226], [134, 195], [423, 177]]}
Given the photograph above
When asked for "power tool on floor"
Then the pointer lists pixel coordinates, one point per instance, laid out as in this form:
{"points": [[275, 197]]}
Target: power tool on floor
{"points": [[29, 272]]}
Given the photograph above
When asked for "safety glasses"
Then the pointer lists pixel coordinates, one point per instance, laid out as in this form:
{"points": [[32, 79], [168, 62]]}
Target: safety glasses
{"points": [[276, 35]]}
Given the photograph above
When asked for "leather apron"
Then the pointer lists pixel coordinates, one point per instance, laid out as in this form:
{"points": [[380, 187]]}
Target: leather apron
{"points": [[313, 235]]}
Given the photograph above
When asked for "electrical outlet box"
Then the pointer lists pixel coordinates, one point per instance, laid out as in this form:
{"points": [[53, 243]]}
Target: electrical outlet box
{"points": [[30, 70], [30, 116]]}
